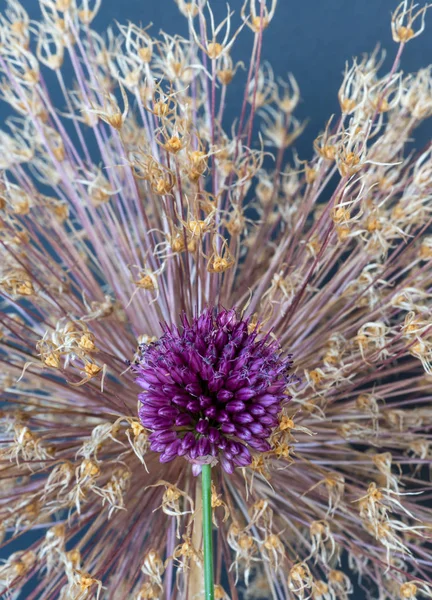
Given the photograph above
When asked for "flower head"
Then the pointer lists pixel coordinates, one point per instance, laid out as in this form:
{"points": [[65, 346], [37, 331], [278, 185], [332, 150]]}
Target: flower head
{"points": [[212, 389]]}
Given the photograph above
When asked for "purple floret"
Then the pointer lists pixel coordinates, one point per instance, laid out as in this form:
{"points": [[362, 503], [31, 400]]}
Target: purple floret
{"points": [[212, 390]]}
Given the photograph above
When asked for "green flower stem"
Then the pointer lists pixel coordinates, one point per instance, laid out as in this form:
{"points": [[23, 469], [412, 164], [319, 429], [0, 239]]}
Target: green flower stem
{"points": [[207, 533]]}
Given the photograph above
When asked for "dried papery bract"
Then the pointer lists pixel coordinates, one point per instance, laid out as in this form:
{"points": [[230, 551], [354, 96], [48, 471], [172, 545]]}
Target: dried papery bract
{"points": [[226, 69], [210, 44], [50, 49], [353, 91], [145, 233], [258, 14], [300, 581], [17, 21], [262, 88], [111, 113], [87, 10], [408, 21], [190, 9], [245, 548]]}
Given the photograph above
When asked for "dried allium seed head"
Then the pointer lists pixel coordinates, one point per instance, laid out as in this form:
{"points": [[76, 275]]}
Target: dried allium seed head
{"points": [[404, 18], [132, 200]]}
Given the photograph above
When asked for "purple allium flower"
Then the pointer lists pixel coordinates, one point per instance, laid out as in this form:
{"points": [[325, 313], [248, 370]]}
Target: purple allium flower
{"points": [[213, 389]]}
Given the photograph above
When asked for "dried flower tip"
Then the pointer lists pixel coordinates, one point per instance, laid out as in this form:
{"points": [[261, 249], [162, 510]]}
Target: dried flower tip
{"points": [[211, 46], [258, 20], [110, 113], [85, 13], [353, 91], [226, 69], [220, 594], [153, 567], [188, 9], [408, 591], [299, 580], [403, 19]]}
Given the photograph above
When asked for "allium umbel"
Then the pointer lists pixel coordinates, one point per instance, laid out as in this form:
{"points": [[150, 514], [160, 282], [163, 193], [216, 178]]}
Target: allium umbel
{"points": [[150, 238], [212, 389]]}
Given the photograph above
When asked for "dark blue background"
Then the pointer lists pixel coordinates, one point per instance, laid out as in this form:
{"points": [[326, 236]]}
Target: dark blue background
{"points": [[312, 39]]}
